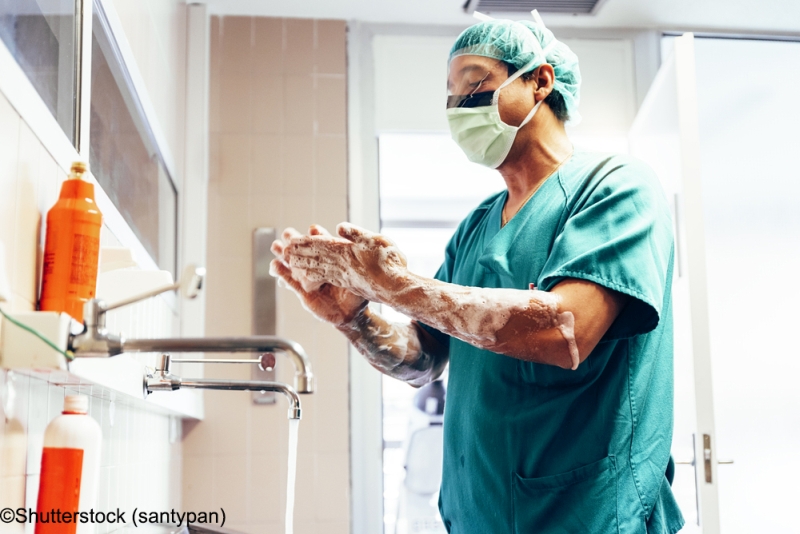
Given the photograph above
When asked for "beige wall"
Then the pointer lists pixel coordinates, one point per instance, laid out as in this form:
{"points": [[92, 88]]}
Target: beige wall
{"points": [[278, 159]]}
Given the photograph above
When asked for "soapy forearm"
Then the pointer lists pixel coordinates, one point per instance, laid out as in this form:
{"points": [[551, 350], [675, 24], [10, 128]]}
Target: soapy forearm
{"points": [[394, 349], [506, 321], [525, 324]]}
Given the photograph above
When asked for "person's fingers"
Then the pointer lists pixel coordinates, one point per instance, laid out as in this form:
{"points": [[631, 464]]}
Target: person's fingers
{"points": [[353, 233], [315, 246], [311, 282], [313, 276], [277, 248], [356, 234], [316, 229], [281, 271], [296, 277], [278, 269], [310, 271], [290, 233], [332, 273], [305, 262]]}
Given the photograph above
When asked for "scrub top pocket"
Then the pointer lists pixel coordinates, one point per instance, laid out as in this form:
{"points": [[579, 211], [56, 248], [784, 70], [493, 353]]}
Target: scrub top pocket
{"points": [[580, 501]]}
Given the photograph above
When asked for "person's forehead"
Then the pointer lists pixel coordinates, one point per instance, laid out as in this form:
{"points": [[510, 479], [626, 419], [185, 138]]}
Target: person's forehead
{"points": [[462, 64]]}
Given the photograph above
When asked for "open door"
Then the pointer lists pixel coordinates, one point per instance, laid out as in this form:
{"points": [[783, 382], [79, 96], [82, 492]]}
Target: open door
{"points": [[666, 134], [726, 151]]}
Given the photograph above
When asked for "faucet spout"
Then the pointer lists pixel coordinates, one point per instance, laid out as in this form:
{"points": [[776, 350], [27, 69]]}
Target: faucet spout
{"points": [[248, 385], [303, 377], [163, 380]]}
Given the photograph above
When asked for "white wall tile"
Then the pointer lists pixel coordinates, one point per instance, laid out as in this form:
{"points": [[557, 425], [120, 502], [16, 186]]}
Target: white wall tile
{"points": [[31, 492], [13, 449], [9, 151], [12, 495], [27, 217], [37, 422]]}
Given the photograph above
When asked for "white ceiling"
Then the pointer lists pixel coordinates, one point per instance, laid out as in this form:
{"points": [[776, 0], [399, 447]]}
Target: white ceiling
{"points": [[745, 16]]}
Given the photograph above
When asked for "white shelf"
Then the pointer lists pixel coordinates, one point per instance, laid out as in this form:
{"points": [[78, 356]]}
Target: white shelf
{"points": [[120, 378]]}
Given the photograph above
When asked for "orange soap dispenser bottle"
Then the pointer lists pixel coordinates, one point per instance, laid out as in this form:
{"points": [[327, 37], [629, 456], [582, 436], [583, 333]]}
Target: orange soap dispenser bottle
{"points": [[72, 247]]}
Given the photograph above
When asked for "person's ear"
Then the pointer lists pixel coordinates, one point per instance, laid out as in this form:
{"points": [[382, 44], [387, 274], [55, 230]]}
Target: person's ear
{"points": [[545, 77]]}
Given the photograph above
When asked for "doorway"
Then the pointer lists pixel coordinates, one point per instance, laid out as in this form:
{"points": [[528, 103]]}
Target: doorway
{"points": [[725, 149]]}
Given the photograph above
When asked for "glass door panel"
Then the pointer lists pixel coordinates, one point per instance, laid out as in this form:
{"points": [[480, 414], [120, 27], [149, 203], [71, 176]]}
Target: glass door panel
{"points": [[751, 205], [726, 152]]}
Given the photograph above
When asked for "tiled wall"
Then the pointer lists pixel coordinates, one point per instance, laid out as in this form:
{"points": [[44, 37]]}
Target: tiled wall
{"points": [[29, 184], [140, 461], [278, 159]]}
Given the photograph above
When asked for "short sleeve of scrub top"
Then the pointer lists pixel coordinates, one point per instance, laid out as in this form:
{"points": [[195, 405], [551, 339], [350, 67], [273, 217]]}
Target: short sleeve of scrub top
{"points": [[617, 235]]}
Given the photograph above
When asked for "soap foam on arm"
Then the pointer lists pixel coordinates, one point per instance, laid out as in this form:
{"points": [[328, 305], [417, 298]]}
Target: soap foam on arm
{"points": [[479, 315], [394, 349], [372, 266]]}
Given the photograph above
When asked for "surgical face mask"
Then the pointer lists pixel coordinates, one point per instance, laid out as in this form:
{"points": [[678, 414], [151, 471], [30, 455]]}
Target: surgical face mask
{"points": [[477, 128]]}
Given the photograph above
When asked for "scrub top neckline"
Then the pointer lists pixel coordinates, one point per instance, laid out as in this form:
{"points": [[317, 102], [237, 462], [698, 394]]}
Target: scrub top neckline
{"points": [[499, 241], [524, 211]]}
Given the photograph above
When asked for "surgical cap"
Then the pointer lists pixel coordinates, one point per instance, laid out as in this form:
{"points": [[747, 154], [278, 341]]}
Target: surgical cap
{"points": [[519, 43]]}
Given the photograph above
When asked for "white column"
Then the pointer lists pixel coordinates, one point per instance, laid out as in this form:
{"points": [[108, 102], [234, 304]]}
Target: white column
{"points": [[692, 207], [366, 421]]}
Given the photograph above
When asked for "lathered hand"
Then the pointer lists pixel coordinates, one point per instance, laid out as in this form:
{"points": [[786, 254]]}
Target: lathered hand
{"points": [[369, 264], [525, 324], [394, 349], [329, 303]]}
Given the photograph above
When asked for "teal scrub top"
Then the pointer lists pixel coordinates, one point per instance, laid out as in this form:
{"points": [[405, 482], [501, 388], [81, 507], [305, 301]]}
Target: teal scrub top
{"points": [[533, 448]]}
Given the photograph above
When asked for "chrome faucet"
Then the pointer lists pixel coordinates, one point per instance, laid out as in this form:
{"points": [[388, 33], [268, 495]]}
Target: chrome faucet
{"points": [[303, 377], [96, 342], [163, 380]]}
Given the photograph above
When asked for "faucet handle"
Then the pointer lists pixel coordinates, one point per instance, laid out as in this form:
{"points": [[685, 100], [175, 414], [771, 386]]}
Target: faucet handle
{"points": [[163, 365], [189, 286], [191, 281], [266, 362], [161, 379]]}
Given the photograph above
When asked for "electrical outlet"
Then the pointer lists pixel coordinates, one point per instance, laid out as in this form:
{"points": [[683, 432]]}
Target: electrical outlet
{"points": [[5, 287]]}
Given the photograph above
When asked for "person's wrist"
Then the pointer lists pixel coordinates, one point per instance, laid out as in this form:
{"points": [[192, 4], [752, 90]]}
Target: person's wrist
{"points": [[395, 282], [356, 322]]}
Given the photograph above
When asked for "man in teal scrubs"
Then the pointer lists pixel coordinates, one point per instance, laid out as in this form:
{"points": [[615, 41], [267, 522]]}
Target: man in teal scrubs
{"points": [[552, 308]]}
